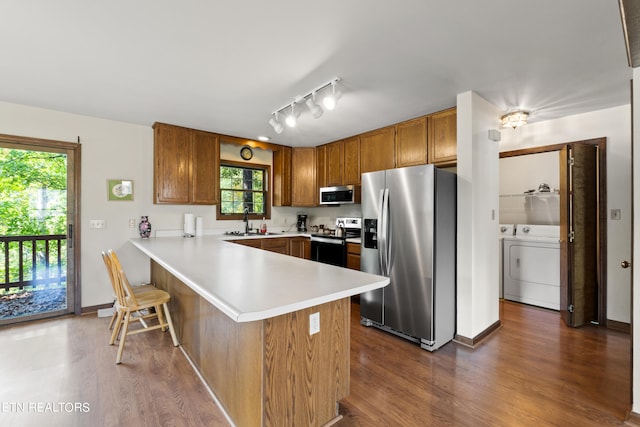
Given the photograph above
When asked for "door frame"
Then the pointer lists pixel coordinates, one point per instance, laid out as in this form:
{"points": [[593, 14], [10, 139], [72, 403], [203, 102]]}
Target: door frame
{"points": [[73, 195], [601, 143]]}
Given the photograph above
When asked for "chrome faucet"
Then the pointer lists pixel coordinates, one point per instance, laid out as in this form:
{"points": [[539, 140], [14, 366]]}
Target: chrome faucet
{"points": [[245, 218]]}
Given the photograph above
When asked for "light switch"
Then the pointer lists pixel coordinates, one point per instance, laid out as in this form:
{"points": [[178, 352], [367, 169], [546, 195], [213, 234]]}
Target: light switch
{"points": [[97, 223]]}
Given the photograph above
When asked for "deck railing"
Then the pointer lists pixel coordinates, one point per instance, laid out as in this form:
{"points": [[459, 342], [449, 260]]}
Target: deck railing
{"points": [[33, 260]]}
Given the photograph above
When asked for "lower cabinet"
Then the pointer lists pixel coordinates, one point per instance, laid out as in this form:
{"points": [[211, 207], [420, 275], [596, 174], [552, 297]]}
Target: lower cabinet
{"points": [[300, 247], [353, 256], [277, 244]]}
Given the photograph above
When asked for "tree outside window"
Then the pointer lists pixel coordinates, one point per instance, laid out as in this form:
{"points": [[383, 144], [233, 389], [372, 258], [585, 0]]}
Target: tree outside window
{"points": [[243, 186]]}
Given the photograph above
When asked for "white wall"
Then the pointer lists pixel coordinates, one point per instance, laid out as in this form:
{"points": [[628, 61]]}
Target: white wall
{"points": [[615, 125], [477, 252], [635, 327], [111, 150]]}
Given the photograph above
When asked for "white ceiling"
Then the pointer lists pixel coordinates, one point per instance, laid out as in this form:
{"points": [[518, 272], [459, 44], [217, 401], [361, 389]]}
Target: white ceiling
{"points": [[225, 66]]}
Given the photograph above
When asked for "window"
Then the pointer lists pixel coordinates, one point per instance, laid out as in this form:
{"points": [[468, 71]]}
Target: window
{"points": [[243, 186]]}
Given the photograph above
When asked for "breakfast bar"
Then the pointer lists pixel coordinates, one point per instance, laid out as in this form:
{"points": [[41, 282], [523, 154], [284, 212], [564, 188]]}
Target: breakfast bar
{"points": [[269, 333]]}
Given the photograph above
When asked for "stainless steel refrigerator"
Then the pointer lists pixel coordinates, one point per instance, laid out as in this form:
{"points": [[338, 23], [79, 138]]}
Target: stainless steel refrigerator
{"points": [[409, 235]]}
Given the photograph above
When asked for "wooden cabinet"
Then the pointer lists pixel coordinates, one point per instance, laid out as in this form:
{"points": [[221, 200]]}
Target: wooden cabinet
{"points": [[186, 166], [254, 243], [377, 150], [443, 137], [282, 176], [411, 142], [334, 163], [353, 256], [300, 247], [351, 164], [304, 190], [276, 244], [321, 166]]}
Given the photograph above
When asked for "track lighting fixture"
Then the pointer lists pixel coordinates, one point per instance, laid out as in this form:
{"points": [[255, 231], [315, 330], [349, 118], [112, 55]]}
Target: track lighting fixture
{"points": [[329, 101]]}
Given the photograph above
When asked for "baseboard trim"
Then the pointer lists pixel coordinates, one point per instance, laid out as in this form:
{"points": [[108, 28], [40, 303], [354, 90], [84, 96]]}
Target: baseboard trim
{"points": [[95, 308], [475, 341], [619, 326], [633, 419]]}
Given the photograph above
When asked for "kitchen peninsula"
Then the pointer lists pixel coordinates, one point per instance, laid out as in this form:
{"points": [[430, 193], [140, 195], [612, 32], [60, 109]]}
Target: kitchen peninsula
{"points": [[245, 316]]}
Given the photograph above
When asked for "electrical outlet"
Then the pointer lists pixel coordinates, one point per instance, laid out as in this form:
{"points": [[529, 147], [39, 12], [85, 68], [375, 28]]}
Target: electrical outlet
{"points": [[132, 223], [314, 323]]}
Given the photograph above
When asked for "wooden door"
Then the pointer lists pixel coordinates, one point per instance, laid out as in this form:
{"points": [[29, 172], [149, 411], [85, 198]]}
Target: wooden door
{"points": [[334, 163], [579, 234], [377, 150], [351, 168], [205, 163], [303, 171], [411, 142], [172, 164], [443, 135]]}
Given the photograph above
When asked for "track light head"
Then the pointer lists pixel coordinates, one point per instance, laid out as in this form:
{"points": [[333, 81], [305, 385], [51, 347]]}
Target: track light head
{"points": [[330, 100], [315, 109], [277, 126], [292, 118]]}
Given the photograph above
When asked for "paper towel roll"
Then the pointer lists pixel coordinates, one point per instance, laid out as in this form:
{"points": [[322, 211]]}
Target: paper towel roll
{"points": [[199, 226], [189, 225]]}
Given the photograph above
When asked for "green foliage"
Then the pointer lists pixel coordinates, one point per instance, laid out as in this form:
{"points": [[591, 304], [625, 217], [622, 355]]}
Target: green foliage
{"points": [[240, 187], [33, 197], [33, 201]]}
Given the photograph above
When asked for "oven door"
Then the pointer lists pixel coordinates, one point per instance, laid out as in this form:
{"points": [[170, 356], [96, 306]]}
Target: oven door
{"points": [[329, 251]]}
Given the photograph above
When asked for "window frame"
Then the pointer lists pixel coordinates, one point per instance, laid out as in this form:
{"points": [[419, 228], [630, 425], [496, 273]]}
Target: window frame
{"points": [[267, 193]]}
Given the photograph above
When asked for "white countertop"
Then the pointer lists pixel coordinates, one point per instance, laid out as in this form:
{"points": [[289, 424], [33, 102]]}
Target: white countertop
{"points": [[249, 284]]}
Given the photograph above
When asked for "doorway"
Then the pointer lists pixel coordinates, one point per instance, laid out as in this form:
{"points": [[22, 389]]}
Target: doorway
{"points": [[598, 192], [39, 207]]}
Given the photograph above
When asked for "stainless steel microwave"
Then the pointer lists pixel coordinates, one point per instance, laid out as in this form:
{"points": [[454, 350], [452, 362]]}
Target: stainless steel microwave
{"points": [[341, 195]]}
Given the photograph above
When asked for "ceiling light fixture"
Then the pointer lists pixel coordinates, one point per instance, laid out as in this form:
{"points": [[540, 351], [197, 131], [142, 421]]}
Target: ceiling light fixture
{"points": [[514, 119], [277, 126], [310, 101]]}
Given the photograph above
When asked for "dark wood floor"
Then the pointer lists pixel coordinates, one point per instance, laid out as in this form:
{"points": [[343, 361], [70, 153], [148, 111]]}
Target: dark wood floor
{"points": [[533, 371]]}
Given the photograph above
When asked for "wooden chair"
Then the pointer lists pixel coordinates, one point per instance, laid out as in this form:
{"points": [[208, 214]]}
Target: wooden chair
{"points": [[136, 289], [130, 303]]}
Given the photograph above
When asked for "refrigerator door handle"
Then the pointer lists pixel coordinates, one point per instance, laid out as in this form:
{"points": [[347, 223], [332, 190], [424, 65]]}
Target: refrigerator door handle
{"points": [[384, 249], [379, 232]]}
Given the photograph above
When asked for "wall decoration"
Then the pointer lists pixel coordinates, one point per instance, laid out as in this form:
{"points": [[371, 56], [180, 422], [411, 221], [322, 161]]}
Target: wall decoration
{"points": [[119, 189]]}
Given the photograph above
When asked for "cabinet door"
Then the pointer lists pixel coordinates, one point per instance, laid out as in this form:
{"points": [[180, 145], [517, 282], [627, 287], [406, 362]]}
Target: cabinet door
{"points": [[282, 177], [443, 137], [276, 244], [205, 164], [411, 142], [351, 174], [353, 256], [254, 243], [377, 150], [300, 247], [303, 182], [321, 166], [172, 164], [334, 163]]}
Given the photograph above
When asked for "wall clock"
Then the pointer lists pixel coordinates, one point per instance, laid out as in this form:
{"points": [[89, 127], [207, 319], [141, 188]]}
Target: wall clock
{"points": [[246, 153]]}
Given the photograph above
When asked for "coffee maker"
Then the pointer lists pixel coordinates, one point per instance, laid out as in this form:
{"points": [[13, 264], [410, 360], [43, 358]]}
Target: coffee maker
{"points": [[302, 223]]}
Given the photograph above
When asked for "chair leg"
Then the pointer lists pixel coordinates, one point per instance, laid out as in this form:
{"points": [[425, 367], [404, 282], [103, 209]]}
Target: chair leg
{"points": [[113, 319], [123, 337], [170, 323], [116, 327], [160, 317]]}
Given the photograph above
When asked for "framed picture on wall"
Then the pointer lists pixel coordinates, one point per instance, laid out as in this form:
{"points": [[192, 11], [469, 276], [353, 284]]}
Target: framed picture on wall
{"points": [[119, 189]]}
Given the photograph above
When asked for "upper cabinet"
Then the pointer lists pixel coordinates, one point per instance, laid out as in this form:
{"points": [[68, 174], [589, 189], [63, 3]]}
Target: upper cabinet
{"points": [[443, 137], [282, 176], [186, 166], [304, 190], [411, 142], [351, 163], [377, 150], [334, 163], [321, 166]]}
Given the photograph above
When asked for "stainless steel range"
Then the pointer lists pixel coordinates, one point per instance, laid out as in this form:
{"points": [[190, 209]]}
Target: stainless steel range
{"points": [[332, 248]]}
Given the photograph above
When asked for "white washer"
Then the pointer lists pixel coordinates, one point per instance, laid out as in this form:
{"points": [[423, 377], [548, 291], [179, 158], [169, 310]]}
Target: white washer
{"points": [[531, 265], [504, 230]]}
